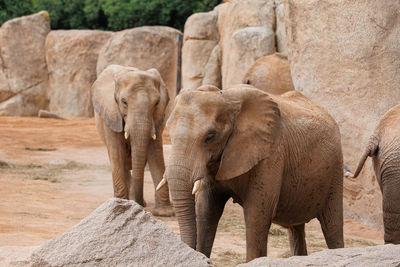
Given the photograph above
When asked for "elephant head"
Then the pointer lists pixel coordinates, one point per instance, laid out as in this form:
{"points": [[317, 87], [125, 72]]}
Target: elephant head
{"points": [[216, 135], [133, 101]]}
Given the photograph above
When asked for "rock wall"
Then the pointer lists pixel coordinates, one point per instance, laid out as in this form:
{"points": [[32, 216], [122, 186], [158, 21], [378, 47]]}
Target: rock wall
{"points": [[71, 57], [219, 46], [23, 70], [345, 55], [145, 48]]}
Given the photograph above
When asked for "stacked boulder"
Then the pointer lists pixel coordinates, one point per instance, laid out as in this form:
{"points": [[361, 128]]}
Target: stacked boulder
{"points": [[23, 70], [220, 45], [345, 56]]}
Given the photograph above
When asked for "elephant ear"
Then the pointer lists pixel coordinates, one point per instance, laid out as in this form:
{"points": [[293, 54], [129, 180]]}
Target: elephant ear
{"points": [[256, 131], [104, 103], [161, 108]]}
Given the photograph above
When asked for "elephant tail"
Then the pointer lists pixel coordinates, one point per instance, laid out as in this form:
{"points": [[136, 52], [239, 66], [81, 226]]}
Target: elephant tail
{"points": [[371, 150]]}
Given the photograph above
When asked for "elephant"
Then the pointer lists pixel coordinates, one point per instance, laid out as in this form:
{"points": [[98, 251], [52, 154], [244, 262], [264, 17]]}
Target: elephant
{"points": [[279, 157], [384, 149], [270, 74], [129, 107]]}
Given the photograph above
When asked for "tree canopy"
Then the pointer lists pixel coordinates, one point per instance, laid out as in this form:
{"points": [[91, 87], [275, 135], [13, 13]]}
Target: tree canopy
{"points": [[108, 14]]}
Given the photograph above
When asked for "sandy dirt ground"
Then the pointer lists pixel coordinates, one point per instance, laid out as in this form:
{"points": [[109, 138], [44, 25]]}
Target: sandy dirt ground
{"points": [[53, 173]]}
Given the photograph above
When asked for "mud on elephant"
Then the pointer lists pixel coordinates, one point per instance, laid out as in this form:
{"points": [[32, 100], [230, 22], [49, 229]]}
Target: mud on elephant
{"points": [[384, 148], [279, 157], [129, 111]]}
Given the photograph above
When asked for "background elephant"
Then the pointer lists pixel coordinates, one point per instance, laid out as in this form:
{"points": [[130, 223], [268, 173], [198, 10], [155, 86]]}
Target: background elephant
{"points": [[129, 109], [270, 74], [384, 148], [279, 157]]}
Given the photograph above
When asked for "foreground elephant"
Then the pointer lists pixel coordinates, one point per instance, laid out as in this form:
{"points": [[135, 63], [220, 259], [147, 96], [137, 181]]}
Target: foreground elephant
{"points": [[129, 109], [384, 148], [279, 157], [270, 74]]}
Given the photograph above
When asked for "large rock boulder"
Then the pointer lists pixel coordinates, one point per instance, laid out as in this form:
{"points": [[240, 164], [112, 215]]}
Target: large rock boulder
{"points": [[345, 56], [71, 60], [384, 255], [270, 74], [71, 57], [145, 48], [200, 39], [23, 70], [118, 233]]}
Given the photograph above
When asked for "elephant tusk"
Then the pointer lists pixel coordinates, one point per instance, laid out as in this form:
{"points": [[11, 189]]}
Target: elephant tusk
{"points": [[126, 135], [161, 184], [131, 171], [196, 187], [154, 137]]}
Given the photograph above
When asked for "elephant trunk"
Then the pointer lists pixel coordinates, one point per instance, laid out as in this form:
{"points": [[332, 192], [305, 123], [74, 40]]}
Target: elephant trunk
{"points": [[139, 135], [178, 178]]}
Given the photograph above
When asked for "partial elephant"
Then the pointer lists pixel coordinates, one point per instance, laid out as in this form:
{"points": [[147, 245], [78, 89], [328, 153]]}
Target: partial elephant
{"points": [[129, 109], [384, 148], [270, 74], [279, 157]]}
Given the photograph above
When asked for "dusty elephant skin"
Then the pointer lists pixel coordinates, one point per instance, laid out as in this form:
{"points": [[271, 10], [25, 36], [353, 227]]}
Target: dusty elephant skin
{"points": [[118, 233], [279, 157], [270, 74], [384, 148], [129, 112]]}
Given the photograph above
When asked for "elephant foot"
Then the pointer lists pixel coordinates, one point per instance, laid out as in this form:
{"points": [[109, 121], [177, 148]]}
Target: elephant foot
{"points": [[164, 211]]}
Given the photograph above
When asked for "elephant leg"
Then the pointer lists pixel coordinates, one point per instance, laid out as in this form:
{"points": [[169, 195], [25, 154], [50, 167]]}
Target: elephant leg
{"points": [[155, 159], [391, 209], [209, 208], [331, 216], [117, 153], [258, 223], [297, 239]]}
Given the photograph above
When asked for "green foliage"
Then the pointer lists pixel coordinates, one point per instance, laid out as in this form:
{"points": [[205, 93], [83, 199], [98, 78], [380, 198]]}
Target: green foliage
{"points": [[108, 14], [15, 8]]}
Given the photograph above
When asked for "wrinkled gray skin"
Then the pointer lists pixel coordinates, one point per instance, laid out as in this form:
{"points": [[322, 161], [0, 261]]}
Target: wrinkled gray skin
{"points": [[279, 157], [128, 101], [384, 148]]}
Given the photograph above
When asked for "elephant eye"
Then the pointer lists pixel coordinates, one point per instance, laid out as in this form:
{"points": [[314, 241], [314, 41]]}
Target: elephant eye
{"points": [[123, 101], [210, 137], [248, 82]]}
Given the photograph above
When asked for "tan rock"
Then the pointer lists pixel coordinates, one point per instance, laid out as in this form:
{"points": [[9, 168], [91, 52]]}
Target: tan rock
{"points": [[24, 65], [71, 57], [246, 46], [259, 18], [384, 255], [144, 48], [195, 55], [5, 91], [15, 256], [202, 26], [212, 70], [344, 55], [118, 233], [270, 74], [280, 31]]}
